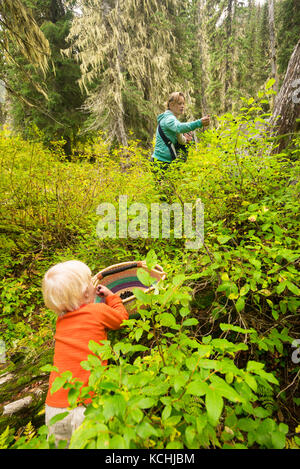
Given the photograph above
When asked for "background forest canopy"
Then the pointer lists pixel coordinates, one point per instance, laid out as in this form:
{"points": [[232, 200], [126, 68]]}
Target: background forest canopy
{"points": [[213, 360], [112, 64]]}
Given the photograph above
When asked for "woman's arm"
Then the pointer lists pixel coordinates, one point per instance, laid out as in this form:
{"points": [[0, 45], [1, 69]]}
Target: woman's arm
{"points": [[173, 124]]}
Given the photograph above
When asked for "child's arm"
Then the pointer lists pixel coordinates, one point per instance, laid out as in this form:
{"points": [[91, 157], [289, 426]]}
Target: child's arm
{"points": [[113, 311]]}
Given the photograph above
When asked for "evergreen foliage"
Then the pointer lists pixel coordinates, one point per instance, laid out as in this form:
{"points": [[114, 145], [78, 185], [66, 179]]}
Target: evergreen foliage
{"points": [[212, 361], [59, 116]]}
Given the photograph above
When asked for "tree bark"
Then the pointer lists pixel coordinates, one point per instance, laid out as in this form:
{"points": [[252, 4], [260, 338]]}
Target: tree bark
{"points": [[228, 61], [273, 44], [287, 104], [203, 54]]}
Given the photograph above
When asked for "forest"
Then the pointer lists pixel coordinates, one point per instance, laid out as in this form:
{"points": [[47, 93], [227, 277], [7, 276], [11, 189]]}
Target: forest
{"points": [[209, 357]]}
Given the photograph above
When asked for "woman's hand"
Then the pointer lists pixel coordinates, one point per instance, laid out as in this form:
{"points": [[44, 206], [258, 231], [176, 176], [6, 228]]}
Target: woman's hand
{"points": [[103, 291], [205, 121], [189, 136]]}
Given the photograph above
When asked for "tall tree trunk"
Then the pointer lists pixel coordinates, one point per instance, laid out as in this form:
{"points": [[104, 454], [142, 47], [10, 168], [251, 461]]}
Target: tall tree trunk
{"points": [[273, 44], [57, 10], [251, 47], [287, 104], [228, 61], [203, 54], [234, 53], [120, 124]]}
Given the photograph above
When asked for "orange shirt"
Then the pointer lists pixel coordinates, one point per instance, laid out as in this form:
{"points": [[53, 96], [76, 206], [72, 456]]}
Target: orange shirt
{"points": [[73, 332]]}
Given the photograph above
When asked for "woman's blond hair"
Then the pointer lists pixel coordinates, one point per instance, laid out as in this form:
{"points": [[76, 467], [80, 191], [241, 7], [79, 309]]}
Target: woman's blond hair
{"points": [[174, 97], [64, 286]]}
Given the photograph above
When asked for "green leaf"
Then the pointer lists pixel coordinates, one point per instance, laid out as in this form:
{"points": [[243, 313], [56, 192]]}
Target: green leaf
{"points": [[138, 334], [268, 376], [144, 277], [204, 350], [145, 430], [57, 384], [260, 412], [208, 364], [201, 422], [178, 279], [190, 322], [49, 368], [179, 382], [190, 434], [67, 375], [214, 405], [255, 367], [293, 288], [197, 388], [151, 259], [141, 296], [95, 347], [278, 440], [223, 239], [191, 362], [87, 431], [250, 380], [224, 389], [137, 415], [281, 287], [269, 83], [275, 314], [240, 304], [166, 412], [172, 421], [167, 319], [73, 395], [119, 404], [283, 428], [174, 445], [114, 406], [229, 377], [58, 418], [146, 403], [94, 361], [244, 290], [230, 327], [117, 442], [247, 424]]}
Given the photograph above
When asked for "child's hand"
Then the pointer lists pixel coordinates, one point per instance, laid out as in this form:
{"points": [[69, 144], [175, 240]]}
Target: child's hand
{"points": [[103, 291]]}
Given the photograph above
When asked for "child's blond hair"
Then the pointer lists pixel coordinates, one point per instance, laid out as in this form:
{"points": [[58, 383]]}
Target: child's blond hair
{"points": [[64, 286]]}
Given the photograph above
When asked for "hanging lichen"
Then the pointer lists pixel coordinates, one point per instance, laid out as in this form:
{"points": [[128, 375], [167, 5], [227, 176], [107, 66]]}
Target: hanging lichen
{"points": [[118, 42]]}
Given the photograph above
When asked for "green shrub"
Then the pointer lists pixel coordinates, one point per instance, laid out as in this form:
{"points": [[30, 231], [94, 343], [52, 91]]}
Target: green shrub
{"points": [[181, 392]]}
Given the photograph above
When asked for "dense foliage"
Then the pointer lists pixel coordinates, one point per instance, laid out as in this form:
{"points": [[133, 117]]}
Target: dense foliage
{"points": [[210, 362], [129, 57]]}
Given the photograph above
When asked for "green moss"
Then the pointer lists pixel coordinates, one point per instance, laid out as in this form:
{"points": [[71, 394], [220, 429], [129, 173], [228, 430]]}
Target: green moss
{"points": [[27, 377]]}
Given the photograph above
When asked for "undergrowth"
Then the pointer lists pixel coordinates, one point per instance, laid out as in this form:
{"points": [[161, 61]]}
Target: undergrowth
{"points": [[211, 362]]}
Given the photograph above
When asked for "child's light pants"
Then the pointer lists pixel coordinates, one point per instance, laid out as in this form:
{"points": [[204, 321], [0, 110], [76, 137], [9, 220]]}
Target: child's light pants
{"points": [[64, 428]]}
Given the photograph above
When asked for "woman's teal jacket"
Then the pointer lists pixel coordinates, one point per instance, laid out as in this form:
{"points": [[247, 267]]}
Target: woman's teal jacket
{"points": [[171, 127]]}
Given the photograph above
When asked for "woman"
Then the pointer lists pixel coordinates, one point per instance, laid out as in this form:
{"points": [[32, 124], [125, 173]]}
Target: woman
{"points": [[170, 129]]}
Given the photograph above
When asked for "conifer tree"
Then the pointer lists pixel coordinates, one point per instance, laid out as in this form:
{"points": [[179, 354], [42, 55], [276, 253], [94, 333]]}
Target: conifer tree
{"points": [[20, 33], [18, 25], [59, 116], [287, 19], [126, 50]]}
